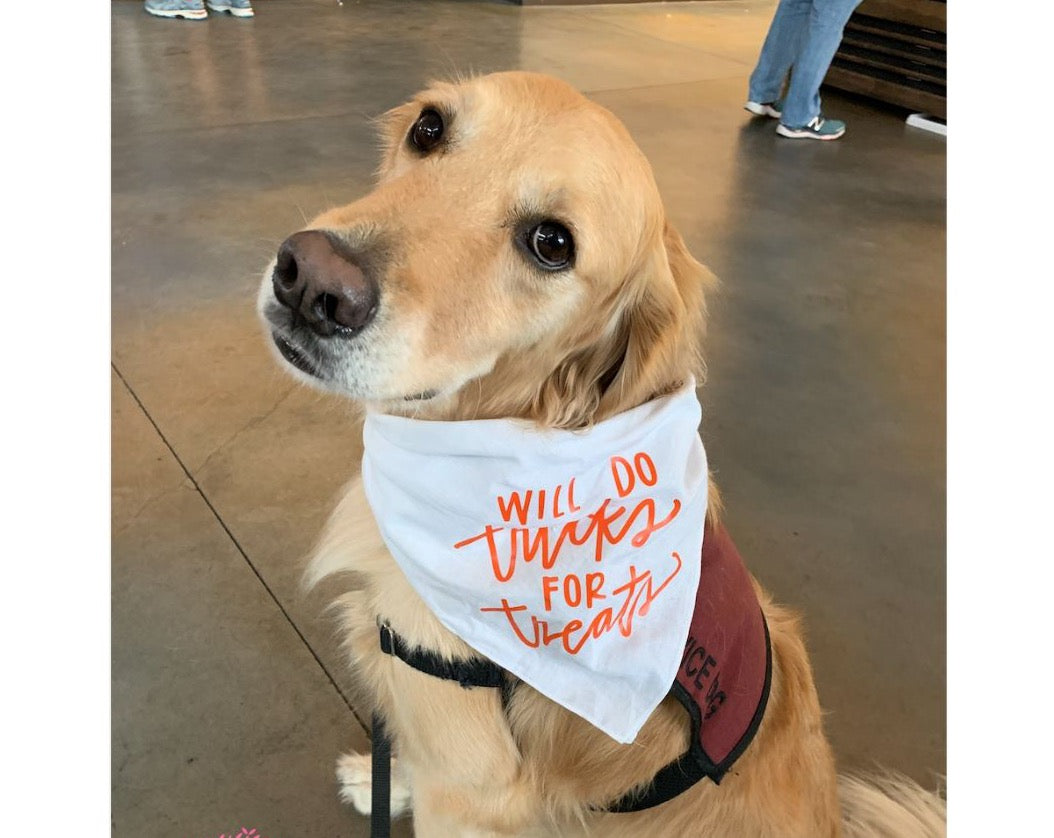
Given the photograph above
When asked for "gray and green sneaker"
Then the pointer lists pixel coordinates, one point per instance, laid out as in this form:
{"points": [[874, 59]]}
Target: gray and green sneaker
{"points": [[238, 8], [773, 109], [186, 9], [818, 129]]}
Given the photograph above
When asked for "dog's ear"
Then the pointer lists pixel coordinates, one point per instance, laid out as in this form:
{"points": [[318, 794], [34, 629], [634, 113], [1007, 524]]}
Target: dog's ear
{"points": [[661, 328], [651, 347]]}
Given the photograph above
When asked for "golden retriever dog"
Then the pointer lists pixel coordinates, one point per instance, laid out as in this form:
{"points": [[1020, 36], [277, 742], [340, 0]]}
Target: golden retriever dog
{"points": [[515, 261]]}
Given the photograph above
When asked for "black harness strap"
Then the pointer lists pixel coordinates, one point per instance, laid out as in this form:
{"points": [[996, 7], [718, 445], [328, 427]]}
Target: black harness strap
{"points": [[468, 673], [676, 777]]}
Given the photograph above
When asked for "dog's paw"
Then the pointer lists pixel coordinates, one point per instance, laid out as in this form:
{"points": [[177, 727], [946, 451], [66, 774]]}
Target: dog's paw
{"points": [[355, 779]]}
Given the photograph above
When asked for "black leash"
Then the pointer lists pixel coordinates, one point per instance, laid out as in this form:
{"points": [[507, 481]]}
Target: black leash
{"points": [[381, 786]]}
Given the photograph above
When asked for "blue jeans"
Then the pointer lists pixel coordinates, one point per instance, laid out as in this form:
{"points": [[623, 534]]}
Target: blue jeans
{"points": [[804, 35]]}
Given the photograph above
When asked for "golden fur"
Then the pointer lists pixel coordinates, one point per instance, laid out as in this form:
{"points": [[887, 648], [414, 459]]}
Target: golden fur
{"points": [[464, 315]]}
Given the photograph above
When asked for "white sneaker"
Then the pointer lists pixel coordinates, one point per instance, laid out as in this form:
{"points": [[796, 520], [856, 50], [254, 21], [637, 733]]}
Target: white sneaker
{"points": [[819, 129], [238, 8], [773, 109], [186, 9]]}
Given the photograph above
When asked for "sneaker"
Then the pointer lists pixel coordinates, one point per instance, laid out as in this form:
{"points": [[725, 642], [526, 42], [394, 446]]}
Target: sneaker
{"points": [[818, 129], [187, 9], [238, 8], [773, 109]]}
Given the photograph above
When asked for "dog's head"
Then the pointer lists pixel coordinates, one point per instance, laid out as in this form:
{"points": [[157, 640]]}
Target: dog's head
{"points": [[514, 260]]}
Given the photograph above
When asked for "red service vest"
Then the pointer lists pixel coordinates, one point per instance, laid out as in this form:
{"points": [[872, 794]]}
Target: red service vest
{"points": [[724, 678]]}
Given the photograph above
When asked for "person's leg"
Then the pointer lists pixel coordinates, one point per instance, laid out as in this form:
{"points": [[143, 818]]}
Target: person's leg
{"points": [[781, 47], [824, 34]]}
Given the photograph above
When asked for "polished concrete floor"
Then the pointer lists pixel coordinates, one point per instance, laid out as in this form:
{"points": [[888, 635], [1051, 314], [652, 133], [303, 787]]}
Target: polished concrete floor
{"points": [[824, 410]]}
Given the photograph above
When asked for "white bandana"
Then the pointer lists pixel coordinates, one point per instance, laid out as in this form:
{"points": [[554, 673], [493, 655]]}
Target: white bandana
{"points": [[569, 558]]}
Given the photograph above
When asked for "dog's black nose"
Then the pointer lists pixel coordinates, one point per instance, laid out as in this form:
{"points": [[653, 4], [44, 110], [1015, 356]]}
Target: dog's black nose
{"points": [[316, 277]]}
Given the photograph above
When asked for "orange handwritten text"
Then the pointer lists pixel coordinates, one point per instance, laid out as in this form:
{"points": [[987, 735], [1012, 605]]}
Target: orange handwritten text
{"points": [[638, 594], [604, 527], [535, 527], [520, 505]]}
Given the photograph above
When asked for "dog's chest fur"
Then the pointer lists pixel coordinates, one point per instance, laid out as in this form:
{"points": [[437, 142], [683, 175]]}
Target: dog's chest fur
{"points": [[454, 730]]}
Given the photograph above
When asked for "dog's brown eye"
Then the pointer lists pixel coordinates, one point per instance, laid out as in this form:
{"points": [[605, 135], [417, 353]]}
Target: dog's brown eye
{"points": [[551, 245], [427, 131]]}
